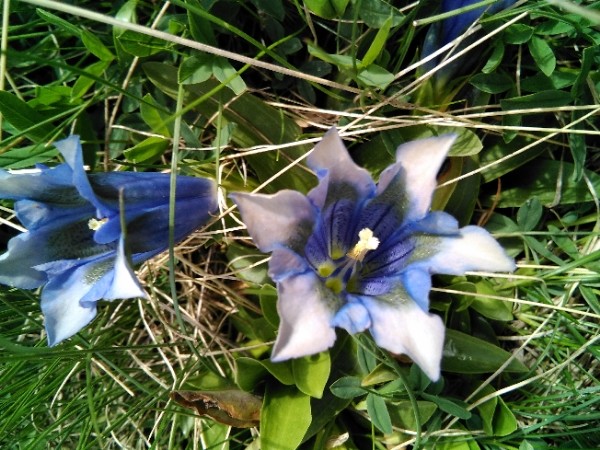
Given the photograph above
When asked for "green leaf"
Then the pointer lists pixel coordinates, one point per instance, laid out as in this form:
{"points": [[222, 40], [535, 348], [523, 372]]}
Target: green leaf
{"points": [[497, 149], [280, 370], [268, 304], [517, 33], [200, 26], [95, 46], [341, 61], [249, 374], [58, 21], [551, 183], [378, 43], [492, 83], [403, 414], [243, 260], [375, 13], [539, 82], [551, 27], [381, 374], [90, 75], [544, 99], [24, 118], [347, 387], [195, 69], [50, 95], [285, 417], [139, 44], [466, 143], [468, 354], [251, 371], [464, 194], [542, 55], [490, 307], [150, 149], [529, 215], [24, 157], [495, 58], [448, 406], [379, 414], [375, 76], [327, 9], [226, 74], [497, 418], [156, 117], [126, 13], [311, 373]]}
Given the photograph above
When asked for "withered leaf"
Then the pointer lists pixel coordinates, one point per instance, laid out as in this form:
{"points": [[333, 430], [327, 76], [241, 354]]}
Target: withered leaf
{"points": [[232, 407]]}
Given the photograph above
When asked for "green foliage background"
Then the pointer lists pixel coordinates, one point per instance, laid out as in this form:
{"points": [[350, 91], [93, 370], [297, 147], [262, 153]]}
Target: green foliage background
{"points": [[240, 91]]}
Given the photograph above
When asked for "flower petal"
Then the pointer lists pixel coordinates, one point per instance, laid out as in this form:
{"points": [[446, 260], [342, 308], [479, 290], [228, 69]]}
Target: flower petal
{"points": [[285, 263], [37, 184], [404, 328], [34, 256], [69, 299], [353, 316], [410, 182], [64, 317], [282, 219], [305, 310], [61, 304], [35, 214], [43, 195], [417, 283], [124, 283], [71, 150], [339, 176], [16, 264], [473, 249]]}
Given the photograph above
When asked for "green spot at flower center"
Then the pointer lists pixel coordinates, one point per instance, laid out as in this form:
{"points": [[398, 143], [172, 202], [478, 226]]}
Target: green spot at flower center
{"points": [[340, 274]]}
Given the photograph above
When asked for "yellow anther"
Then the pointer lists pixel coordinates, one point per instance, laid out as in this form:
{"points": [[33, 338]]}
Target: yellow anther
{"points": [[95, 224], [366, 241]]}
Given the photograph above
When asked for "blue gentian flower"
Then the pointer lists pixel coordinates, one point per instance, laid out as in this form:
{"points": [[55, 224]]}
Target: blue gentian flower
{"points": [[74, 247], [358, 255], [441, 33], [454, 26]]}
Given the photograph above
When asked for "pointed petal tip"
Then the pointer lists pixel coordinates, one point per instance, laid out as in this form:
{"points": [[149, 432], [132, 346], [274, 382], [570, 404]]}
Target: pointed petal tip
{"points": [[404, 328], [305, 327], [64, 319]]}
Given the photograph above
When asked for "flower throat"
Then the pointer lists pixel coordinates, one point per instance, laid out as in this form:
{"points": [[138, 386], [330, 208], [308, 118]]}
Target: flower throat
{"points": [[341, 275]]}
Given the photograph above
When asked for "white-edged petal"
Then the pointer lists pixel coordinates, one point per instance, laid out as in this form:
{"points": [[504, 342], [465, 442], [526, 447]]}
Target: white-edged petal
{"points": [[405, 328], [64, 314], [71, 150], [418, 162], [305, 314], [124, 282], [473, 250], [332, 164], [276, 220]]}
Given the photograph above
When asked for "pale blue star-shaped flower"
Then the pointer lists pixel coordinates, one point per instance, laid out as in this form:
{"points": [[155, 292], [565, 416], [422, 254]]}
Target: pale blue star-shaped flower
{"points": [[358, 255], [74, 247]]}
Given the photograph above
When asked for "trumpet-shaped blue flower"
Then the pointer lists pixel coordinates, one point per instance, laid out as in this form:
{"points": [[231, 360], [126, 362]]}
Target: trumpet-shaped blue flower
{"points": [[358, 255], [74, 245], [441, 33]]}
